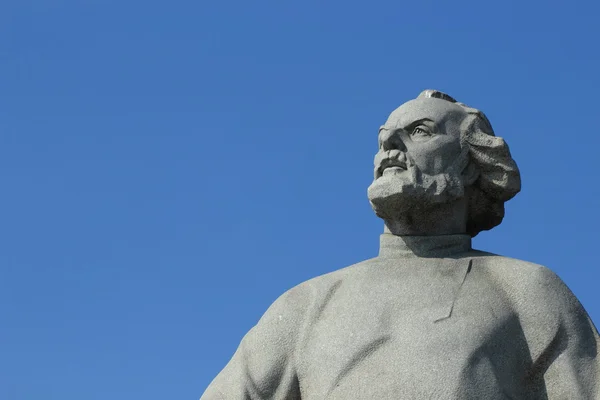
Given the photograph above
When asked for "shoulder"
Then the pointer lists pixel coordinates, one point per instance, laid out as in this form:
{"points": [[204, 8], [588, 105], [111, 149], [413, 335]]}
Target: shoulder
{"points": [[546, 308], [297, 302], [535, 290], [520, 275], [287, 317]]}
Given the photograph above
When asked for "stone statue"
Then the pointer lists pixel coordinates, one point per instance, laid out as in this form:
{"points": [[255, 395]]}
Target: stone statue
{"points": [[429, 317]]}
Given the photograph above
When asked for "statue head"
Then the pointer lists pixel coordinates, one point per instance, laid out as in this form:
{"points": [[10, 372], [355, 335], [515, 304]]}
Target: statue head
{"points": [[435, 151]]}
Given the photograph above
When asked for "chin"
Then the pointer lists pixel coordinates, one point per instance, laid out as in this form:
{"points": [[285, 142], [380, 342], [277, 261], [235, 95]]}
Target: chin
{"points": [[394, 196], [391, 197]]}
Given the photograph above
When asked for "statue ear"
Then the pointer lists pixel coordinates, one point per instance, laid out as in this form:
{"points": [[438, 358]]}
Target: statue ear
{"points": [[470, 174]]}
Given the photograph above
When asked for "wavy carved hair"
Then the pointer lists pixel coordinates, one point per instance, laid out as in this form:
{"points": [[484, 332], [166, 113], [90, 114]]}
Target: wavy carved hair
{"points": [[498, 178]]}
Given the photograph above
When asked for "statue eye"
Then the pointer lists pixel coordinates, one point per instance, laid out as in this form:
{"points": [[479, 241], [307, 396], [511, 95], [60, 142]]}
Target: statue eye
{"points": [[420, 133]]}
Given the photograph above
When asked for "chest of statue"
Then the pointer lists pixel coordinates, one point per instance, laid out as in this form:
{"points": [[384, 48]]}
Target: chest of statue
{"points": [[441, 330]]}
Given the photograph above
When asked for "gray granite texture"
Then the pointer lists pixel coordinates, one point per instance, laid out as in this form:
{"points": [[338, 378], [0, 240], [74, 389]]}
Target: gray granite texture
{"points": [[429, 317]]}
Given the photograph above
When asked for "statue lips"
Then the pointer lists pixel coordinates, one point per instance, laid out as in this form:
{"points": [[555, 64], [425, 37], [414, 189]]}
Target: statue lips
{"points": [[391, 164], [393, 170]]}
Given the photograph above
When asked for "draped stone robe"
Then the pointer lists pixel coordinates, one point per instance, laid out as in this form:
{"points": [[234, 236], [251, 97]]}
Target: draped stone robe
{"points": [[429, 318]]}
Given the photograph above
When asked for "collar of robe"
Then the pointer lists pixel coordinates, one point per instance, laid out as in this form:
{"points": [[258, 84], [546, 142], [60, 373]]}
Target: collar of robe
{"points": [[441, 246]]}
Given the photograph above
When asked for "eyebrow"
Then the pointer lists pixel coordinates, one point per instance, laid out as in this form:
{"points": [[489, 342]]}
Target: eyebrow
{"points": [[415, 122], [418, 121]]}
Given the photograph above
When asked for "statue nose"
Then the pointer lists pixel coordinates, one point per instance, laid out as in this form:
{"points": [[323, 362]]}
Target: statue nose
{"points": [[391, 140]]}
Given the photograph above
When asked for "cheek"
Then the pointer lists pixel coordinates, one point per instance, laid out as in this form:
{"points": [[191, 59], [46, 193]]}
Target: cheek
{"points": [[435, 156]]}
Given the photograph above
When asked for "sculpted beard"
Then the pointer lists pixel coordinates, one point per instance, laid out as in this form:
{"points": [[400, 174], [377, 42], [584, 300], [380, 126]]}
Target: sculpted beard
{"points": [[393, 194]]}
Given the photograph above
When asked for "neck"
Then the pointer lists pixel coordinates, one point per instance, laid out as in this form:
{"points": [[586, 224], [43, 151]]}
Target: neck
{"points": [[441, 219], [441, 246]]}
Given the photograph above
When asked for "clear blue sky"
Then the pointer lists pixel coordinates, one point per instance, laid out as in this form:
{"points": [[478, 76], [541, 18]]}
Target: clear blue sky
{"points": [[168, 169]]}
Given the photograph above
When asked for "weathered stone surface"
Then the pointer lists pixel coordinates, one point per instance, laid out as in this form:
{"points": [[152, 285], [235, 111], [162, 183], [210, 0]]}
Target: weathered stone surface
{"points": [[429, 317]]}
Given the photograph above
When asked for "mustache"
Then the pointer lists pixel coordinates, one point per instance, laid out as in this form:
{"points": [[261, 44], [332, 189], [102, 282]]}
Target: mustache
{"points": [[391, 158]]}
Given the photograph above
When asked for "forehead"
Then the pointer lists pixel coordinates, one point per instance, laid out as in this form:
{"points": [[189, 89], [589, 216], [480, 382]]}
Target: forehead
{"points": [[438, 110]]}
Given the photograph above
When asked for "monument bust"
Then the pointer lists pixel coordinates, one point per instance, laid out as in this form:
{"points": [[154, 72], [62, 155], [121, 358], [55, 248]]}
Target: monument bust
{"points": [[429, 317]]}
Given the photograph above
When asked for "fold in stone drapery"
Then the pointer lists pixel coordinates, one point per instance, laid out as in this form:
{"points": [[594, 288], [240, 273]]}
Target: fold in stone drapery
{"points": [[461, 268]]}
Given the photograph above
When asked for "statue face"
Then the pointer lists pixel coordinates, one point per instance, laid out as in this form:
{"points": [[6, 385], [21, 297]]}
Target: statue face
{"points": [[419, 153], [427, 130]]}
